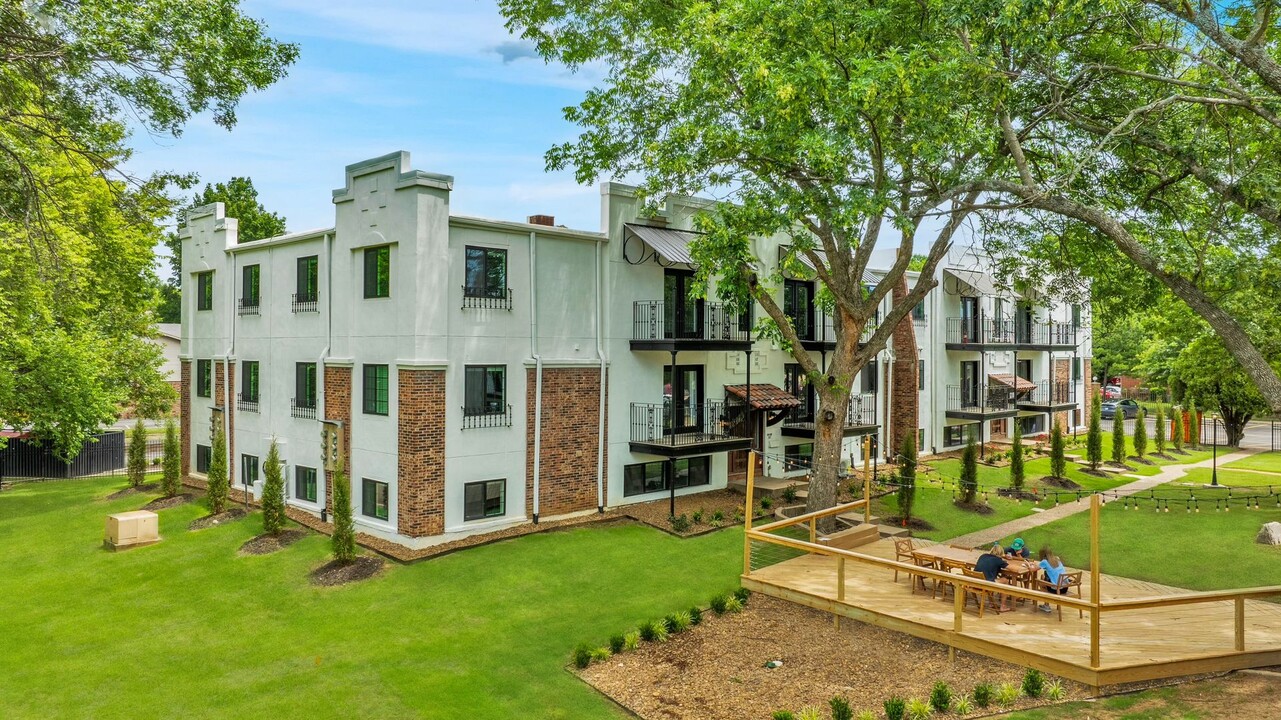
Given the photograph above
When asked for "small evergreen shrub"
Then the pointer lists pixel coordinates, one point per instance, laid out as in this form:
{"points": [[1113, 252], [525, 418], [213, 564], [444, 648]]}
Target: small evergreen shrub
{"points": [[1176, 432], [631, 640], [343, 540], [679, 524], [273, 492], [1007, 693], [1094, 436], [983, 694], [733, 604], [894, 708], [918, 710], [783, 715], [969, 473], [695, 616], [1054, 691], [1118, 437], [742, 594], [1158, 436], [941, 696], [767, 502], [1017, 473], [617, 642], [678, 622], [216, 477], [648, 631], [718, 517], [719, 603], [962, 705], [137, 454], [1033, 683], [840, 708], [1140, 434], [171, 481], [582, 656], [789, 494], [1058, 459]]}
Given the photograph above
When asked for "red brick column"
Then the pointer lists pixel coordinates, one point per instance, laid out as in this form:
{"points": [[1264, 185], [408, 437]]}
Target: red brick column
{"points": [[420, 481], [1062, 377], [570, 442], [228, 401], [184, 416], [905, 395], [338, 407]]}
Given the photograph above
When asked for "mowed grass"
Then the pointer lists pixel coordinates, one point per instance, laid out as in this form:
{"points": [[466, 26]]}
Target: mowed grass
{"points": [[187, 628], [1231, 478], [936, 506], [1266, 461]]}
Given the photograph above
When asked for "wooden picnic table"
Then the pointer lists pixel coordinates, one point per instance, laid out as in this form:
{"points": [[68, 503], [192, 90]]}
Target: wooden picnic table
{"points": [[1020, 571]]}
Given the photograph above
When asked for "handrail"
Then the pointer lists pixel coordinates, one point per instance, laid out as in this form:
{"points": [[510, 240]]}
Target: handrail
{"points": [[1192, 598]]}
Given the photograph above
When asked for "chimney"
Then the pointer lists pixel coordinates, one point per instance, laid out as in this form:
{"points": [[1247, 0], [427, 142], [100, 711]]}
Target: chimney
{"points": [[548, 220]]}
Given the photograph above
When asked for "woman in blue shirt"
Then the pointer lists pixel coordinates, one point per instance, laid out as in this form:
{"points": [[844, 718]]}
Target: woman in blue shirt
{"points": [[1053, 569]]}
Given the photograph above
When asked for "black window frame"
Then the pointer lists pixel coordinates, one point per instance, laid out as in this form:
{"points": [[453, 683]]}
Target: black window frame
{"points": [[485, 512], [307, 280], [798, 306], [366, 486], [918, 312], [250, 285], [204, 290], [250, 380], [957, 435], [661, 466], [1021, 363], [1076, 369], [920, 374], [377, 272], [305, 384], [305, 483], [1076, 315], [248, 469], [486, 256], [797, 383], [204, 378], [204, 453], [869, 376], [476, 399], [370, 386]]}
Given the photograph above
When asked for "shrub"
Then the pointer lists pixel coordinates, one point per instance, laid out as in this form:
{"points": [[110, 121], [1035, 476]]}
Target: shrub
{"points": [[1140, 434], [698, 516], [1094, 436], [1017, 474], [718, 517], [678, 622], [582, 656], [969, 473], [719, 603], [171, 480], [865, 715], [660, 631], [1158, 435], [918, 710], [1058, 459], [631, 640], [679, 523], [941, 696], [617, 642], [733, 604], [1054, 691], [1176, 433], [894, 708], [840, 708], [767, 502], [1033, 683], [1194, 425], [695, 616], [216, 475], [1007, 693], [783, 715], [1118, 437], [962, 705], [907, 479], [600, 654], [273, 492], [648, 631], [983, 694], [789, 494], [343, 541], [137, 455], [742, 594], [809, 713]]}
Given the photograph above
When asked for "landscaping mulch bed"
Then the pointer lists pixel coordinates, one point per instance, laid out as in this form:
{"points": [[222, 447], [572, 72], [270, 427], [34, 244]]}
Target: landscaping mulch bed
{"points": [[1013, 494], [335, 573], [716, 670], [1095, 473], [977, 507], [164, 503], [268, 543], [1163, 456], [1058, 482], [656, 513], [221, 518], [1140, 460], [1121, 466], [912, 524], [144, 489]]}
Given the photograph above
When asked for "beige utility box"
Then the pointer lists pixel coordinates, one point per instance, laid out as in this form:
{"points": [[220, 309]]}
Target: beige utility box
{"points": [[132, 529]]}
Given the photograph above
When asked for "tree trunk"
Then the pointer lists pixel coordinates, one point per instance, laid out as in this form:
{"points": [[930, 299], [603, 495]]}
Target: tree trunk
{"points": [[1234, 423], [829, 432]]}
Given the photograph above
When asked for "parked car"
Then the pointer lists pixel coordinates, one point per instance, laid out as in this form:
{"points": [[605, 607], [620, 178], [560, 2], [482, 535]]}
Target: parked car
{"points": [[1128, 408], [1111, 392]]}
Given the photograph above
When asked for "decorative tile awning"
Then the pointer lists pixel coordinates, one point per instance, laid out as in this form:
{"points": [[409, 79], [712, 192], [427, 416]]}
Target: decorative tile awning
{"points": [[765, 396]]}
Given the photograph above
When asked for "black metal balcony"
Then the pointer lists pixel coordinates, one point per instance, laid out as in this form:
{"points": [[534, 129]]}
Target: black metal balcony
{"points": [[487, 298], [822, 335], [1049, 396], [305, 409], [247, 306], [860, 418], [306, 302], [489, 416], [979, 333], [1045, 336], [695, 325], [688, 429], [247, 404], [978, 402]]}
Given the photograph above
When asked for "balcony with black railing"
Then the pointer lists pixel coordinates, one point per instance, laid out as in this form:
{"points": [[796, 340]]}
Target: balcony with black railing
{"points": [[980, 401], [247, 403], [247, 306], [306, 302], [979, 333], [1045, 336], [860, 418], [1049, 395], [483, 298], [305, 408], [488, 416], [688, 428], [659, 325], [821, 335]]}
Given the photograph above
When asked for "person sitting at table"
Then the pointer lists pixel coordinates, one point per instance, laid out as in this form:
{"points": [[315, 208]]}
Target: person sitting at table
{"points": [[1016, 549], [1053, 568], [991, 565]]}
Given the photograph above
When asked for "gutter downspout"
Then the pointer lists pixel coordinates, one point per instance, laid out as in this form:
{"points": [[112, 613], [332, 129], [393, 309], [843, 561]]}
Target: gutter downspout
{"points": [[226, 371], [538, 366], [329, 339], [600, 356]]}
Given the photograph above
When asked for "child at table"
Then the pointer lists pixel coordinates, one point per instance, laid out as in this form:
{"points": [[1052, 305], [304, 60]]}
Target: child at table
{"points": [[1053, 568]]}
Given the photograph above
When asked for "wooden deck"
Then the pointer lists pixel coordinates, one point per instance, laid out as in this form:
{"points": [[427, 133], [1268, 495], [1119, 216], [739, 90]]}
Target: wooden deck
{"points": [[1145, 640]]}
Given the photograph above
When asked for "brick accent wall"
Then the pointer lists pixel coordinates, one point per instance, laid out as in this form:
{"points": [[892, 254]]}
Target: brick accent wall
{"points": [[1091, 387], [338, 407], [420, 446], [904, 395], [228, 401], [570, 442], [1062, 374], [184, 416]]}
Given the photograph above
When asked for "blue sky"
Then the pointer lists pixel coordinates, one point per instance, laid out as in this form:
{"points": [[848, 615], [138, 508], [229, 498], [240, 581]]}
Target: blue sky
{"points": [[440, 78]]}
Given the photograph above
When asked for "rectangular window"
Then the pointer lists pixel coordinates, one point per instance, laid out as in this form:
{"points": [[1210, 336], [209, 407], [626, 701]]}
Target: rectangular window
{"points": [[1024, 369], [958, 434], [869, 376], [918, 312], [249, 275], [797, 383], [998, 309], [308, 286], [375, 390], [204, 291], [652, 477], [798, 305], [1076, 369], [920, 374], [202, 458], [305, 483], [484, 389], [1076, 316], [305, 384], [486, 272], [248, 469], [799, 457], [249, 380], [920, 439], [378, 272], [373, 502], [204, 378], [484, 499]]}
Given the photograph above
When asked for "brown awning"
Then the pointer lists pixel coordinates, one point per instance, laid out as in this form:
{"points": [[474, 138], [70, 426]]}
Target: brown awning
{"points": [[1014, 381], [765, 396]]}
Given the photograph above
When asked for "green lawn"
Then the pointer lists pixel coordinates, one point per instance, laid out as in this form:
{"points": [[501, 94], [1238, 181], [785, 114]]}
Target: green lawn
{"points": [[936, 506], [1270, 461], [1235, 479], [187, 628]]}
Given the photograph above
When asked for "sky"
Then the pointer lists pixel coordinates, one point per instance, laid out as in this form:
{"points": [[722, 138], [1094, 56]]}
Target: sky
{"points": [[442, 79]]}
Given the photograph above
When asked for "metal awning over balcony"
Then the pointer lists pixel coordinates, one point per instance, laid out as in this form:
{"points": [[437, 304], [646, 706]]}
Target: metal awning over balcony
{"points": [[672, 246], [685, 430], [968, 282], [860, 418]]}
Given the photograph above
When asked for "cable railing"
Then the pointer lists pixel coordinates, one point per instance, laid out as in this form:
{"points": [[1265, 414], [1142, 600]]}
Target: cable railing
{"points": [[700, 320]]}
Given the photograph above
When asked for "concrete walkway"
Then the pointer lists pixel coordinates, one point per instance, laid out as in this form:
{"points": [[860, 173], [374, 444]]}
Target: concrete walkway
{"points": [[1015, 527]]}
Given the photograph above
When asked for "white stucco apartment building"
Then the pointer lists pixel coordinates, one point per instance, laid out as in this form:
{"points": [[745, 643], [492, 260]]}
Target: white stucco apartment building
{"points": [[469, 374]]}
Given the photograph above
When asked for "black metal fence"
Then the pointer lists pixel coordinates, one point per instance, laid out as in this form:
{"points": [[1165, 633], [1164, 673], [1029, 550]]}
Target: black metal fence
{"points": [[102, 454]]}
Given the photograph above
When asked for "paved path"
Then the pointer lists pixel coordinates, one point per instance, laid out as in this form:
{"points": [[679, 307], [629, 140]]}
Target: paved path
{"points": [[1036, 519]]}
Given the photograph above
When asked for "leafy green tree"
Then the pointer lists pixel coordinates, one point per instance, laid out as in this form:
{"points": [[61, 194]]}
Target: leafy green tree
{"points": [[1017, 473], [343, 540], [216, 479], [907, 478], [1158, 435], [171, 480], [136, 465], [1140, 434], [1058, 459], [1118, 437], [1177, 432], [254, 222], [825, 148], [1216, 379], [273, 492], [969, 483], [1094, 435]]}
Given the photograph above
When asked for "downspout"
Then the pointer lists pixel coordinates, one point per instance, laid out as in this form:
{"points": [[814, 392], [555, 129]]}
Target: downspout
{"points": [[324, 353], [538, 365], [600, 357], [226, 367]]}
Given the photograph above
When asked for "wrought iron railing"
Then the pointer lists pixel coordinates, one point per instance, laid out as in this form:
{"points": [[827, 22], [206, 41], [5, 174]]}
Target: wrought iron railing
{"points": [[1050, 393], [247, 306], [861, 411], [979, 331], [488, 416], [247, 404], [686, 423], [305, 409], [487, 298], [978, 398], [306, 302], [658, 320], [1046, 333]]}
